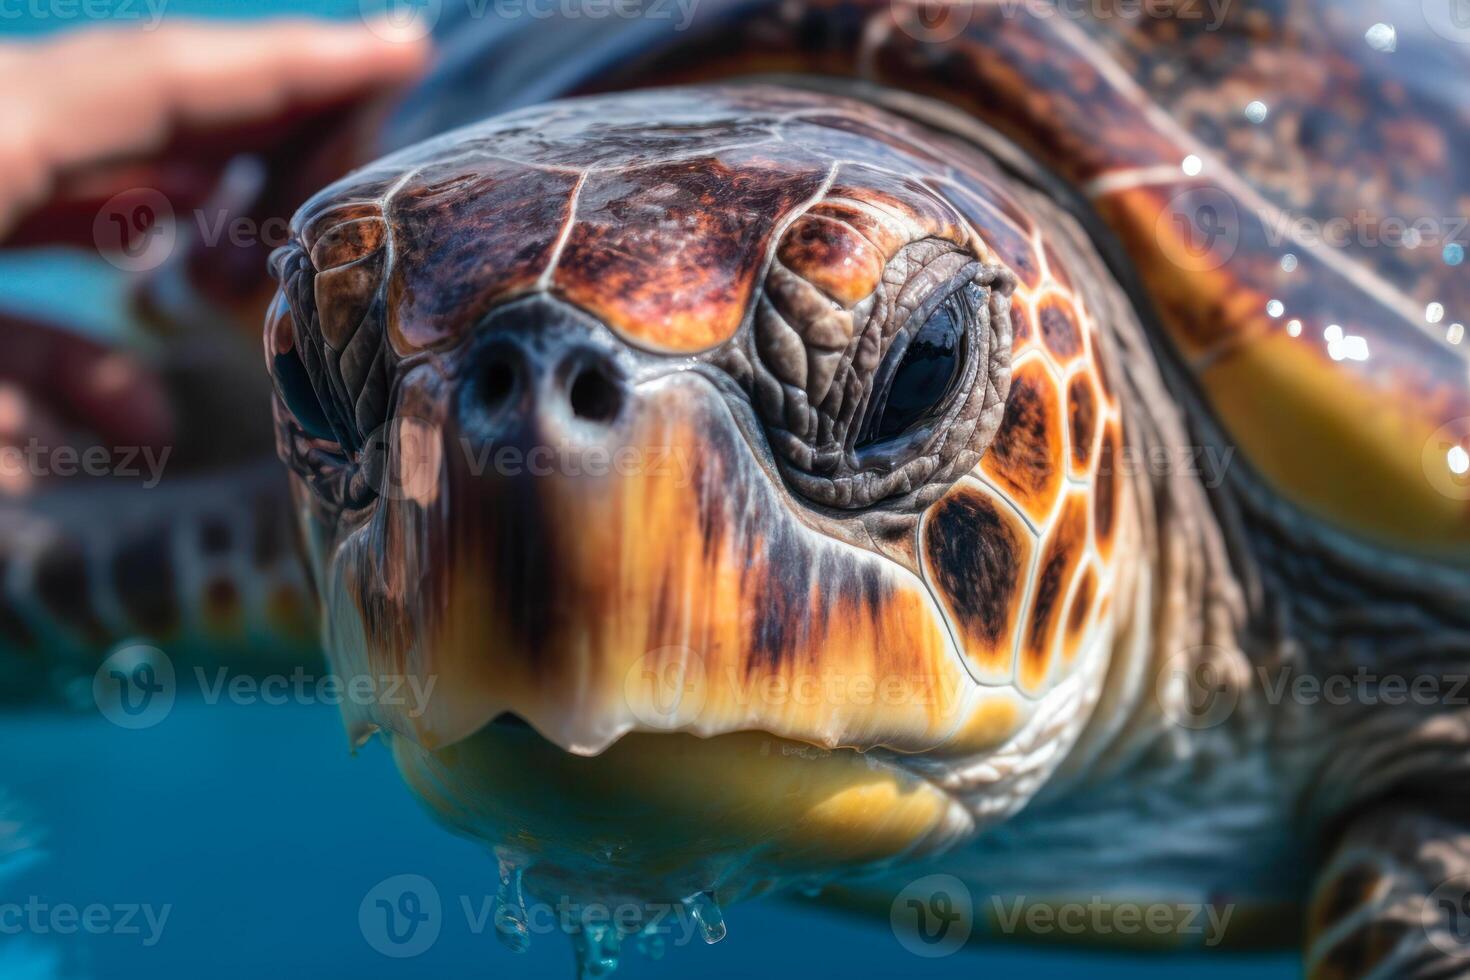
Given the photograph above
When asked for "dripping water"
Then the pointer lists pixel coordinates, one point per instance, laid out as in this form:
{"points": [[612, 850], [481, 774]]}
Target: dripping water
{"points": [[707, 916], [511, 926]]}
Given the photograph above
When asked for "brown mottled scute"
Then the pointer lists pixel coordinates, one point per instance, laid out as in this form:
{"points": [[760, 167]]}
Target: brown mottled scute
{"points": [[1064, 549], [1082, 418], [1107, 494], [680, 295], [1012, 245], [1059, 329], [833, 256], [1027, 458], [978, 556], [1080, 607]]}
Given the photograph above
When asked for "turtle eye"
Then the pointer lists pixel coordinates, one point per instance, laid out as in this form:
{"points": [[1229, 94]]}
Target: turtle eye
{"points": [[293, 381], [919, 373], [295, 388]]}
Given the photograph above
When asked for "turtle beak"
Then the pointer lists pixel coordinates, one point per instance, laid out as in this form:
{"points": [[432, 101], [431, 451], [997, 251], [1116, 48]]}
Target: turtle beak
{"points": [[591, 541]]}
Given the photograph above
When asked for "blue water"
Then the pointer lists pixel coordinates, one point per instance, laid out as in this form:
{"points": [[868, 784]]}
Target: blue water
{"points": [[261, 834], [264, 834]]}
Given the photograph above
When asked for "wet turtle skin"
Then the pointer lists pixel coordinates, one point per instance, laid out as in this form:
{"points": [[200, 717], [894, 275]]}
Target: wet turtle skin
{"points": [[1188, 455]]}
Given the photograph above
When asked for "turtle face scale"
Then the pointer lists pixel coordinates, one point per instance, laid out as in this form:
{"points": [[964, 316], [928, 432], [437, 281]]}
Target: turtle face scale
{"points": [[733, 438]]}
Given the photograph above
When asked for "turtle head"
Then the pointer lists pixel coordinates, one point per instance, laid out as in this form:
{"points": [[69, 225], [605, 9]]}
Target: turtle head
{"points": [[721, 468]]}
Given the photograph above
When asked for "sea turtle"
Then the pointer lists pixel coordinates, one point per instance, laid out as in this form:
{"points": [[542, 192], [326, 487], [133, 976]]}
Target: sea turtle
{"points": [[917, 456]]}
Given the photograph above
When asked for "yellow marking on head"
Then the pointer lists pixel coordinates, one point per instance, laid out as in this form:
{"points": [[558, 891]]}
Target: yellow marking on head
{"points": [[993, 722]]}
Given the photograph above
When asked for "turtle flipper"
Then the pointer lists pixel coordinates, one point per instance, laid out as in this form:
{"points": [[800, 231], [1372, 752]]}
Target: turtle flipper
{"points": [[119, 524], [1394, 898]]}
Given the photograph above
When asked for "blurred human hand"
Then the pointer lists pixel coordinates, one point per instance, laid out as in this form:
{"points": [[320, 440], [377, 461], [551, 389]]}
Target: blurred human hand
{"points": [[91, 112]]}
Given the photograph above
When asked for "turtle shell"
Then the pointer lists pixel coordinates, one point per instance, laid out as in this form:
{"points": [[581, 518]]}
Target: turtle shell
{"points": [[1300, 256]]}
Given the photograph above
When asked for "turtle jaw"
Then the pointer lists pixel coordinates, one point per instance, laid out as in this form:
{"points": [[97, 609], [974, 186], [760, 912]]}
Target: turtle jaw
{"points": [[657, 818]]}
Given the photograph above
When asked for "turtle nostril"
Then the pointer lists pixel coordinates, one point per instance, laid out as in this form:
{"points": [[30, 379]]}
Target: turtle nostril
{"points": [[595, 397]]}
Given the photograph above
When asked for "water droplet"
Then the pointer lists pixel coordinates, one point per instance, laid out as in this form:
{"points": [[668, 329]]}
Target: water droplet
{"points": [[1288, 262], [1434, 312], [1256, 111], [597, 950], [1343, 346], [1294, 328], [1275, 308], [1459, 460], [707, 915], [511, 927], [1454, 253], [1455, 333], [1382, 37], [1192, 166]]}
